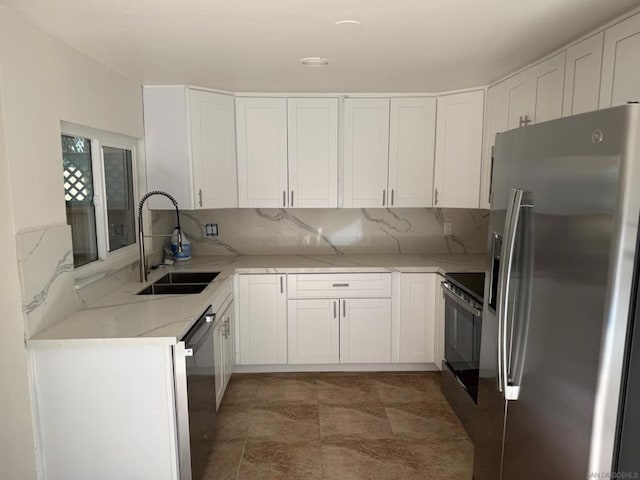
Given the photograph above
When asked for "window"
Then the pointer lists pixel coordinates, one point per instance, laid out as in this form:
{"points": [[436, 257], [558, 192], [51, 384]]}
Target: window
{"points": [[99, 193]]}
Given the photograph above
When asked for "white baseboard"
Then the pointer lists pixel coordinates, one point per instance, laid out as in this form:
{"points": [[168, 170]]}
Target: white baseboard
{"points": [[352, 367]]}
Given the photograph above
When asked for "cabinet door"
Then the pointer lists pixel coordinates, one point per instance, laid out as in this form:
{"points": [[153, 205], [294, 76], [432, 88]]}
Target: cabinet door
{"points": [[168, 163], [213, 149], [417, 317], [219, 346], [313, 152], [521, 99], [365, 330], [438, 347], [495, 121], [582, 76], [458, 150], [261, 130], [620, 66], [229, 345], [411, 152], [262, 319], [313, 331], [548, 78], [366, 152]]}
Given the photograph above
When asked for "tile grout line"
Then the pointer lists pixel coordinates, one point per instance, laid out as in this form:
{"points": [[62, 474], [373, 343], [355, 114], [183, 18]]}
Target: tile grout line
{"points": [[244, 442], [321, 442]]}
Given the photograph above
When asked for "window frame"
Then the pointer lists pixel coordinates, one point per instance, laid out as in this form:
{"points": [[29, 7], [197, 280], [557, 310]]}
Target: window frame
{"points": [[125, 255]]}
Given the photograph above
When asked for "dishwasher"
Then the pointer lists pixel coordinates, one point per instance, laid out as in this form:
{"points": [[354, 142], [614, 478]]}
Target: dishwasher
{"points": [[195, 387]]}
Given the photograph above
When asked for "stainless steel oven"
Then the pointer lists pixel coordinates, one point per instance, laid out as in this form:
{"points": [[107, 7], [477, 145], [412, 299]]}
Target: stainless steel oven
{"points": [[463, 293], [194, 363]]}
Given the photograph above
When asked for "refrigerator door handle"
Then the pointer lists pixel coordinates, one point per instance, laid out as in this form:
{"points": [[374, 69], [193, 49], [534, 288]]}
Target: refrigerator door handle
{"points": [[508, 247], [511, 392]]}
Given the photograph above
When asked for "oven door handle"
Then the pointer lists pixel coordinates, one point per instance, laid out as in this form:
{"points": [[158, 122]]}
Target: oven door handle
{"points": [[461, 302]]}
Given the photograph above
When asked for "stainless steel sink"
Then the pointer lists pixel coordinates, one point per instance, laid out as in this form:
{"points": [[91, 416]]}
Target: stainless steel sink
{"points": [[179, 283], [187, 277]]}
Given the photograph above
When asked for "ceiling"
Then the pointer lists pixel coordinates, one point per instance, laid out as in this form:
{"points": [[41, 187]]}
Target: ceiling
{"points": [[256, 45]]}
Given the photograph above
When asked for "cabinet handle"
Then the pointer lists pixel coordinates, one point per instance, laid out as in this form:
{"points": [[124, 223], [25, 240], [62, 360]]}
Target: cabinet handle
{"points": [[281, 285], [200, 196], [392, 192], [291, 205], [334, 309], [384, 197], [344, 309], [436, 199], [339, 284], [284, 198]]}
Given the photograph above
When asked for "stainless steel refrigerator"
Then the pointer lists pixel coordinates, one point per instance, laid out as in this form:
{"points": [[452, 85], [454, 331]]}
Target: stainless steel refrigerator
{"points": [[562, 235]]}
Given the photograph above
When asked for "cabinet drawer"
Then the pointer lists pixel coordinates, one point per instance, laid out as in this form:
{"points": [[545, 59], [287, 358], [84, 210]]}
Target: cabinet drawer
{"points": [[347, 285]]}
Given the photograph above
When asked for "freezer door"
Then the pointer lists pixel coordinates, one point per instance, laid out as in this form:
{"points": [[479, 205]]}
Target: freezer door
{"points": [[554, 335]]}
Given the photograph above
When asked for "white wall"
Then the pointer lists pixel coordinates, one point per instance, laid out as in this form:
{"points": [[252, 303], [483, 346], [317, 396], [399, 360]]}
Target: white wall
{"points": [[16, 440], [43, 82]]}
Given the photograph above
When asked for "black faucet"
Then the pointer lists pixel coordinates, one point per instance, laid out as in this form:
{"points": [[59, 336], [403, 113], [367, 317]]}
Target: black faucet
{"points": [[141, 236]]}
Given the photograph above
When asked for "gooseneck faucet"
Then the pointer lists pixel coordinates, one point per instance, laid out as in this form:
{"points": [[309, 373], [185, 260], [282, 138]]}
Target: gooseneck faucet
{"points": [[143, 259]]}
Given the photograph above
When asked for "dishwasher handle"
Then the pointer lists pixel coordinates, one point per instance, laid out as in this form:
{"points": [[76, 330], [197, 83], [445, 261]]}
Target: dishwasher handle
{"points": [[197, 334]]}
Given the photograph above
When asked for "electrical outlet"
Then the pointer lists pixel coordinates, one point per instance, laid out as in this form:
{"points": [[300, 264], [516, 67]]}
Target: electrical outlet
{"points": [[211, 229], [448, 228]]}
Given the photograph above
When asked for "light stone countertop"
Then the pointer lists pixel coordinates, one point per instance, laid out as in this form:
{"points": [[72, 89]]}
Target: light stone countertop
{"points": [[166, 318]]}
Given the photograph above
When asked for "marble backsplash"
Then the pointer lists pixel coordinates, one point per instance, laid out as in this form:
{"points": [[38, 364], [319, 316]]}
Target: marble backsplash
{"points": [[48, 280], [329, 231]]}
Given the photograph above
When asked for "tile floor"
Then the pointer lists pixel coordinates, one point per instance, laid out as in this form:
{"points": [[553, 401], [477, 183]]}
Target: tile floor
{"points": [[342, 426]]}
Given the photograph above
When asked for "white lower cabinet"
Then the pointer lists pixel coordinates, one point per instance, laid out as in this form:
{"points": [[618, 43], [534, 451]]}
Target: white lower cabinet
{"points": [[365, 330], [223, 346], [313, 335], [262, 322], [356, 330], [417, 317], [337, 318], [106, 409]]}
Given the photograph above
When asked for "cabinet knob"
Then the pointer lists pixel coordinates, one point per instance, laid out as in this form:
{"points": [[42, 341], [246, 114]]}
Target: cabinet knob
{"points": [[392, 192], [200, 197], [435, 201], [284, 198], [291, 204], [384, 197]]}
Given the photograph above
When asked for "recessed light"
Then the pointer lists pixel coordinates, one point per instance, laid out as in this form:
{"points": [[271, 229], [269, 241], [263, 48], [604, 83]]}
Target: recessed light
{"points": [[314, 61], [348, 24]]}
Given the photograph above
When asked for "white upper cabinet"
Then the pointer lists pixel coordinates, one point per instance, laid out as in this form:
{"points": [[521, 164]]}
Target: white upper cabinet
{"points": [[411, 152], [496, 118], [535, 95], [261, 132], [389, 152], [582, 76], [190, 147], [522, 100], [213, 149], [366, 152], [548, 81], [620, 66], [313, 152], [458, 150]]}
